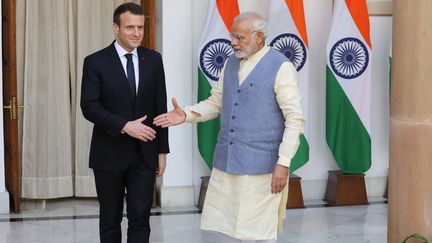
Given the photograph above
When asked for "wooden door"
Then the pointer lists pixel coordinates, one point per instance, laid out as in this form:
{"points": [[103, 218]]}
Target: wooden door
{"points": [[10, 104], [149, 25]]}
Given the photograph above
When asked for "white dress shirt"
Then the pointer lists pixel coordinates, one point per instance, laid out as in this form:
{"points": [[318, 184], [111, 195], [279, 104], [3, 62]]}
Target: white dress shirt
{"points": [[122, 52]]}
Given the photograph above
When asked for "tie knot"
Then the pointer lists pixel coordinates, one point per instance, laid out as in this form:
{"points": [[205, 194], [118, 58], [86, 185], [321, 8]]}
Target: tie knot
{"points": [[129, 56]]}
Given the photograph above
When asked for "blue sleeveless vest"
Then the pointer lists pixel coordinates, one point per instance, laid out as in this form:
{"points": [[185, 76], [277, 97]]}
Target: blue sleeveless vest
{"points": [[252, 124]]}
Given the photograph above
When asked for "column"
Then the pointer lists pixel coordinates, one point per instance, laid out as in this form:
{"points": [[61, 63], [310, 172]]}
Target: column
{"points": [[410, 180]]}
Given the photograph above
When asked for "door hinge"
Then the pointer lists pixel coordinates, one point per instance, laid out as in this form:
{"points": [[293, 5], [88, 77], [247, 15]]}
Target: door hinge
{"points": [[13, 105]]}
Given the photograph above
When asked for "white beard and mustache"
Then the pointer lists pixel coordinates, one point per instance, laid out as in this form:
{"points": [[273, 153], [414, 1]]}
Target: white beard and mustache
{"points": [[251, 49]]}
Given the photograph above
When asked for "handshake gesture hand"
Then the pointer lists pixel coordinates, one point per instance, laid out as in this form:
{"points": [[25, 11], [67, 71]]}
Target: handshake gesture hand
{"points": [[175, 117]]}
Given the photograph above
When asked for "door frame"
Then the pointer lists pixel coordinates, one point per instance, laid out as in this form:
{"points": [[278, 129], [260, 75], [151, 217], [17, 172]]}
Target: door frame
{"points": [[10, 104], [149, 8]]}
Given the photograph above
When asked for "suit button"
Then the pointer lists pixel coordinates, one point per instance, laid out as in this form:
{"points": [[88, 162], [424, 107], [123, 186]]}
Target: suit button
{"points": [[231, 130], [230, 143], [236, 104], [238, 91], [233, 117]]}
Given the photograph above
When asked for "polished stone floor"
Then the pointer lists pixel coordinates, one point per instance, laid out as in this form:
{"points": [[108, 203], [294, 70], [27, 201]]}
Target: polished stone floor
{"points": [[76, 221]]}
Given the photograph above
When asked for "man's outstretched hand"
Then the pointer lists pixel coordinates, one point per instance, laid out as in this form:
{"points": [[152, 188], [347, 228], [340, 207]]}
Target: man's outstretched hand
{"points": [[175, 117]]}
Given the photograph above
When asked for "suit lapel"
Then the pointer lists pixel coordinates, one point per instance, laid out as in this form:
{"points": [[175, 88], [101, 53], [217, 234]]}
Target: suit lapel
{"points": [[143, 71], [119, 71]]}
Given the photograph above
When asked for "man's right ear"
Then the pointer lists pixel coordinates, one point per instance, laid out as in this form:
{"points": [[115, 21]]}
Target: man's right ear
{"points": [[116, 28]]}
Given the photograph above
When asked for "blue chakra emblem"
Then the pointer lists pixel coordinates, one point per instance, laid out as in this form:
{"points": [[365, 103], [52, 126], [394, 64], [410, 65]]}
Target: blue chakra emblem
{"points": [[212, 57], [292, 47], [349, 58]]}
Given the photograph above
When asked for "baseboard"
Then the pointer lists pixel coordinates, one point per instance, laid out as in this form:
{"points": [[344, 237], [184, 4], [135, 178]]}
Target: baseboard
{"points": [[376, 186], [315, 189], [28, 204], [177, 196], [4, 203]]}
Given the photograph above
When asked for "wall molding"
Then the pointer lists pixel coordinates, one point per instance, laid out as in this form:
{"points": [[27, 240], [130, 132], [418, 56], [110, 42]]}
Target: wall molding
{"points": [[380, 8], [315, 189], [181, 196], [177, 196]]}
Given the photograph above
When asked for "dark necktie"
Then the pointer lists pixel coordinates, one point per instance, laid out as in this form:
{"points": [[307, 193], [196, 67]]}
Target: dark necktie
{"points": [[130, 73]]}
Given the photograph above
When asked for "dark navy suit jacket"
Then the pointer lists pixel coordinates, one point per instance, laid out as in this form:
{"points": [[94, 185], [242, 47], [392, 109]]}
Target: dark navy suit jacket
{"points": [[107, 101]]}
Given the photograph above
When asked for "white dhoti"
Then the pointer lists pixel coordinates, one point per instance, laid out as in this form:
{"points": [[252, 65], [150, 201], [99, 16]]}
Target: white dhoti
{"points": [[243, 207]]}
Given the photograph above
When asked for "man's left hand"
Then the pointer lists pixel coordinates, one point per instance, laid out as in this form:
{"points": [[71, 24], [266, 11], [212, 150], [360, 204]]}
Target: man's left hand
{"points": [[279, 178], [162, 165]]}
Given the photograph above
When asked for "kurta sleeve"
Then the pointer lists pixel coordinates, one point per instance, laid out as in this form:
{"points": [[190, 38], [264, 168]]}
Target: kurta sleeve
{"points": [[288, 97]]}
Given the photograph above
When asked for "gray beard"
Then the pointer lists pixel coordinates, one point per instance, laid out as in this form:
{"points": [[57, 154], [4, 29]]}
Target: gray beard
{"points": [[241, 55]]}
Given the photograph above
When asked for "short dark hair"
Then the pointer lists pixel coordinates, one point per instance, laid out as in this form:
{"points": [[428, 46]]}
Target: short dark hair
{"points": [[133, 8]]}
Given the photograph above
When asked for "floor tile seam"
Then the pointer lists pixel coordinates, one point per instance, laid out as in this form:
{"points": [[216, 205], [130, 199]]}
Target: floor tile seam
{"points": [[95, 216], [92, 216]]}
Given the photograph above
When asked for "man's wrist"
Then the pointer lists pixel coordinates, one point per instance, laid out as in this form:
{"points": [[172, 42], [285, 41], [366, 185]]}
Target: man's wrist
{"points": [[123, 131], [284, 161], [185, 116]]}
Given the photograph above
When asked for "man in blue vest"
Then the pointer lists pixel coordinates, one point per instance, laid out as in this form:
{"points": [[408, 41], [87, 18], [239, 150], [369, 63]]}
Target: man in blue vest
{"points": [[261, 119]]}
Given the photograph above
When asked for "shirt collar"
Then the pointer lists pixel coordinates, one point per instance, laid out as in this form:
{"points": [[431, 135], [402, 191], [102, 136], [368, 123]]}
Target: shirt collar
{"points": [[121, 52]]}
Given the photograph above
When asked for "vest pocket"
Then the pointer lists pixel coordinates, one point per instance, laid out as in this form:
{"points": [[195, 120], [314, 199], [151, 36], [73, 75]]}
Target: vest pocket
{"points": [[264, 144]]}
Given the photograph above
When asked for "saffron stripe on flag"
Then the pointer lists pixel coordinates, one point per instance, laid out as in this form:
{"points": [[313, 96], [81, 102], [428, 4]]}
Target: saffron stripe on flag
{"points": [[228, 10], [297, 13], [359, 13]]}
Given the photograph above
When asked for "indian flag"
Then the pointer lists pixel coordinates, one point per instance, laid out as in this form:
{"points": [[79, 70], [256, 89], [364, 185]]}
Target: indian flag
{"points": [[214, 49], [287, 34], [348, 97]]}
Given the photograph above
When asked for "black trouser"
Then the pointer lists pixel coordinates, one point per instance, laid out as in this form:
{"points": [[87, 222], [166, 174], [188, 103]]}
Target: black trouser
{"points": [[138, 180]]}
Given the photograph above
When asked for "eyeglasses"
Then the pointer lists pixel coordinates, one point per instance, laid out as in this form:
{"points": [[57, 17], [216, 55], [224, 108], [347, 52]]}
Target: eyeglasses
{"points": [[238, 36]]}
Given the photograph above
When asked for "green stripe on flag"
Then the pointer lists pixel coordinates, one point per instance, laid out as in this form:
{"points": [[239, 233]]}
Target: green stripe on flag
{"points": [[346, 135], [301, 156], [209, 130]]}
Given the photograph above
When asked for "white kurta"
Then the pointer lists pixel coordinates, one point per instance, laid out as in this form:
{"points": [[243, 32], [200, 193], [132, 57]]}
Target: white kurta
{"points": [[242, 206]]}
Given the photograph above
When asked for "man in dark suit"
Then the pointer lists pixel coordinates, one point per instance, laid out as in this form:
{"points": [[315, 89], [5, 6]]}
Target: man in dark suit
{"points": [[123, 89]]}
